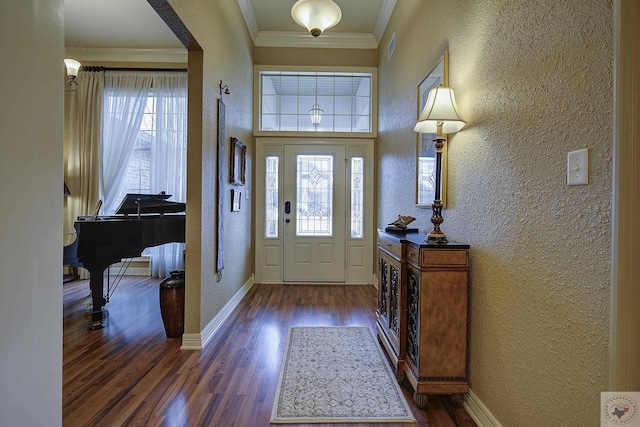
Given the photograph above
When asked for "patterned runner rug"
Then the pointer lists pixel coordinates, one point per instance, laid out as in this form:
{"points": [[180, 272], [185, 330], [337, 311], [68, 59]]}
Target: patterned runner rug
{"points": [[337, 375]]}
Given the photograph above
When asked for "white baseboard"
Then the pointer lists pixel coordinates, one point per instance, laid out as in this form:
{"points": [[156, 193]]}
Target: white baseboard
{"points": [[480, 414], [198, 341]]}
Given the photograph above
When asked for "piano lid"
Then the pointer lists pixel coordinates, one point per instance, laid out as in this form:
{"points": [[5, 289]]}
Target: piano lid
{"points": [[134, 203]]}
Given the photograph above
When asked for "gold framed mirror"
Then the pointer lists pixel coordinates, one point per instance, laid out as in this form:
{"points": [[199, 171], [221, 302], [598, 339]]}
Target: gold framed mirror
{"points": [[425, 147]]}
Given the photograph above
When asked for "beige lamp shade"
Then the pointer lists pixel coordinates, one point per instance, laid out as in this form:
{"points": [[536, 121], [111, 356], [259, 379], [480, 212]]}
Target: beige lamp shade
{"points": [[440, 108], [316, 15], [72, 67]]}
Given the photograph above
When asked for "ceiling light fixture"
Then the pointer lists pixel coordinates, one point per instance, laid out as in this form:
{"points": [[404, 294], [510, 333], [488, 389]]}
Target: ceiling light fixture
{"points": [[72, 73], [316, 15], [316, 115]]}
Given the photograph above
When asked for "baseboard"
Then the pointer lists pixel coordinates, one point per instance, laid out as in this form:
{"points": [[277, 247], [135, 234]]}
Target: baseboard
{"points": [[480, 414], [198, 341]]}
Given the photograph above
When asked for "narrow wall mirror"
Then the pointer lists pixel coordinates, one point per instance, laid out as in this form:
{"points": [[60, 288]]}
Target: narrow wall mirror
{"points": [[425, 148]]}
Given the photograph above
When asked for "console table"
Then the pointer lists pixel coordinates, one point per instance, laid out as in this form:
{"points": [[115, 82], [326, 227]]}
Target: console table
{"points": [[422, 314]]}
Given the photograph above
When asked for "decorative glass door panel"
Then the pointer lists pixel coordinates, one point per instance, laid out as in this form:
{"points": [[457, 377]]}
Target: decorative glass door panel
{"points": [[314, 198]]}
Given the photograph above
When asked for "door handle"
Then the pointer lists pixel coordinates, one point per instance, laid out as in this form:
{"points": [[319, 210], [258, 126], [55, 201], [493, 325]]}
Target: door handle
{"points": [[287, 207]]}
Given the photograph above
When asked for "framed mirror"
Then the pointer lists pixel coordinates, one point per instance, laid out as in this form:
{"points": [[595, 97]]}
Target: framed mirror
{"points": [[425, 147]]}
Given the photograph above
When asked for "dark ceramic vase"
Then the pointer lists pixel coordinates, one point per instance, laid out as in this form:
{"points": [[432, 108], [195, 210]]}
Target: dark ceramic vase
{"points": [[172, 304]]}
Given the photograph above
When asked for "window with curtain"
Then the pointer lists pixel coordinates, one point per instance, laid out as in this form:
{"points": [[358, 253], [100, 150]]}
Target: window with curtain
{"points": [[144, 140]]}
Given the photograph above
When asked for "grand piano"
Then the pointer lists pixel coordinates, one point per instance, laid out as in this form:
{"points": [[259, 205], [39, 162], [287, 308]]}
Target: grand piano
{"points": [[142, 221]]}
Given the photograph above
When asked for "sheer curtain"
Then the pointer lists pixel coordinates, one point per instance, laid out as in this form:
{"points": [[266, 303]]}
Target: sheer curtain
{"points": [[151, 106], [169, 159], [125, 99]]}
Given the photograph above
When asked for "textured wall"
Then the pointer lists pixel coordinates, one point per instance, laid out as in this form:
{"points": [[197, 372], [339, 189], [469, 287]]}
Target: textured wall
{"points": [[220, 30], [534, 81]]}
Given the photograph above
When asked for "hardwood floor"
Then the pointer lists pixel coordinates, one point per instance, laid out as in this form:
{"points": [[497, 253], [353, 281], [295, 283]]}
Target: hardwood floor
{"points": [[130, 373]]}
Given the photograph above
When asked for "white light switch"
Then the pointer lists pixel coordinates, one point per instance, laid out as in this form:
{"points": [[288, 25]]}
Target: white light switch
{"points": [[578, 167]]}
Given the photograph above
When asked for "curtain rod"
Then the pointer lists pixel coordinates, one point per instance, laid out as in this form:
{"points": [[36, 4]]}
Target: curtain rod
{"points": [[100, 68]]}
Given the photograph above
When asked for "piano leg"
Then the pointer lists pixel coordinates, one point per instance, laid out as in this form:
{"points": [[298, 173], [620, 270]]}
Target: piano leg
{"points": [[96, 283]]}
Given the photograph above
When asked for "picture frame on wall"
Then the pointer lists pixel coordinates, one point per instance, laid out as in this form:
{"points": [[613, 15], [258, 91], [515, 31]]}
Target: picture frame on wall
{"points": [[238, 162]]}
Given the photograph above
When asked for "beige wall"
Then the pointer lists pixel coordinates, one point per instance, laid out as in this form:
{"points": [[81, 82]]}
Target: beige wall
{"points": [[226, 55], [311, 57], [534, 81], [32, 49]]}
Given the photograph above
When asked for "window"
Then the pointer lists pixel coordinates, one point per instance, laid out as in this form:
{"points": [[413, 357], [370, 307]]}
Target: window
{"points": [[300, 101], [271, 197], [144, 136], [144, 139], [137, 176], [357, 197]]}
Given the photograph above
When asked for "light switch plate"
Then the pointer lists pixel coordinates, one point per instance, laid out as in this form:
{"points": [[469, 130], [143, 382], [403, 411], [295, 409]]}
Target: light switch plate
{"points": [[578, 167]]}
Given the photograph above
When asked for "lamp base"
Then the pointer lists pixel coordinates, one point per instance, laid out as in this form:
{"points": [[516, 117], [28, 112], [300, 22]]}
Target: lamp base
{"points": [[436, 236]]}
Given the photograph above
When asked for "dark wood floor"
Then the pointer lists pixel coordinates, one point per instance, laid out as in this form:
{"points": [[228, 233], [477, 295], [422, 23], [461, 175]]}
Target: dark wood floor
{"points": [[130, 374]]}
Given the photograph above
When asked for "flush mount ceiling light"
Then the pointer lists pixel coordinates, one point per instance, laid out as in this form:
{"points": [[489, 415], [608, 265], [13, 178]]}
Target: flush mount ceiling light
{"points": [[316, 15]]}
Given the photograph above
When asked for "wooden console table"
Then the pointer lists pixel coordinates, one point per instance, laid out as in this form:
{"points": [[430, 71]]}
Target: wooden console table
{"points": [[422, 315]]}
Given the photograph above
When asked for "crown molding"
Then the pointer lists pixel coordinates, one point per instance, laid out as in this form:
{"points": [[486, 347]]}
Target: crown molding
{"points": [[249, 18], [127, 55], [330, 40], [383, 19]]}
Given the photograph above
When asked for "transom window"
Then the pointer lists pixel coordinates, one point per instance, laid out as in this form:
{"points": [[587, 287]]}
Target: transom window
{"points": [[300, 101]]}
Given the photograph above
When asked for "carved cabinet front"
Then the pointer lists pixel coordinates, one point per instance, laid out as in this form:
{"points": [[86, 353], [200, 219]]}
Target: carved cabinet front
{"points": [[423, 312]]}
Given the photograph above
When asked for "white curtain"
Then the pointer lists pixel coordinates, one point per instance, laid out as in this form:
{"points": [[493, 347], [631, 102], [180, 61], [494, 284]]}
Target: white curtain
{"points": [[169, 159], [127, 95], [125, 99]]}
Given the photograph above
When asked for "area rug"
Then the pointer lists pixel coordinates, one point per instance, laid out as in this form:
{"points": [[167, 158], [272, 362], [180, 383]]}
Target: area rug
{"points": [[337, 375]]}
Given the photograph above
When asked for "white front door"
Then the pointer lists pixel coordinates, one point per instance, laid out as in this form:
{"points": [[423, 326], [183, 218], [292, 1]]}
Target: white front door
{"points": [[325, 233], [314, 213]]}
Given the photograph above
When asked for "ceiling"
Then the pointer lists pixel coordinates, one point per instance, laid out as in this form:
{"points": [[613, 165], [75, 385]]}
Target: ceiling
{"points": [[99, 25]]}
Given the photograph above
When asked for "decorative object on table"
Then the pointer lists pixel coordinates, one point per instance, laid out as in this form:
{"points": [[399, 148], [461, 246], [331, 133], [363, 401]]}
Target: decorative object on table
{"points": [[238, 162], [400, 225], [440, 115], [172, 304], [316, 15], [236, 197], [222, 162], [402, 221], [425, 147], [337, 375]]}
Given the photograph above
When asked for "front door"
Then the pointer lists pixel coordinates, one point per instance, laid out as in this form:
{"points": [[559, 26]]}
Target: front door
{"points": [[314, 213]]}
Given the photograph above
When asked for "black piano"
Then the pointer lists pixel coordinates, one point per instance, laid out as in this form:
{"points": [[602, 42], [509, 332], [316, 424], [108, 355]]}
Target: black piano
{"points": [[143, 220]]}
